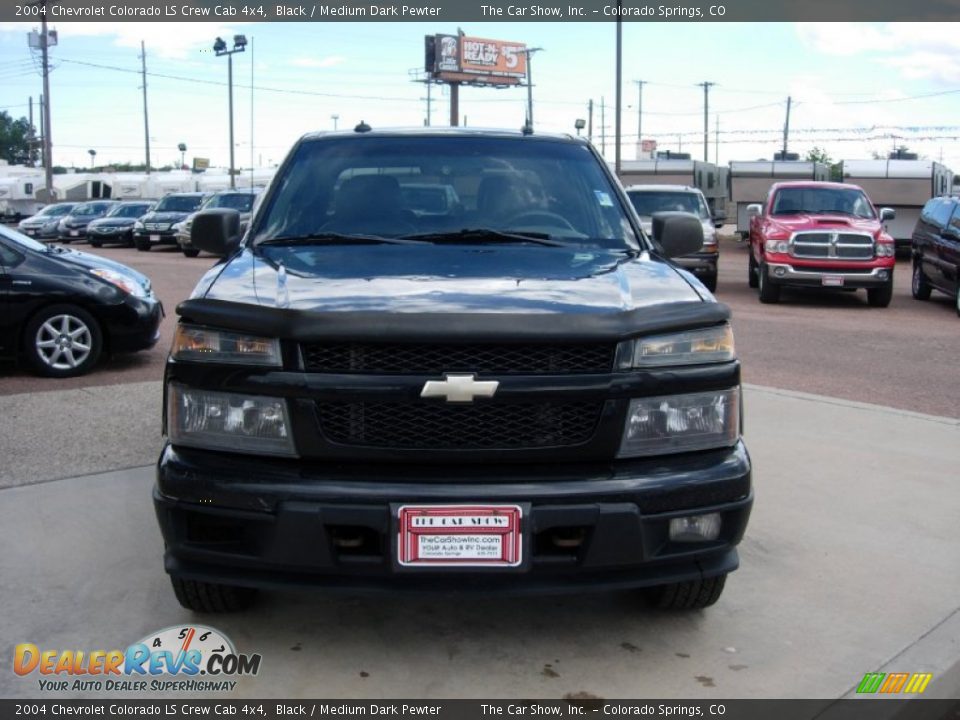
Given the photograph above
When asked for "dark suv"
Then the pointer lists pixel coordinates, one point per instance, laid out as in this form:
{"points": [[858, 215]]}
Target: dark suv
{"points": [[156, 227], [515, 392], [936, 250]]}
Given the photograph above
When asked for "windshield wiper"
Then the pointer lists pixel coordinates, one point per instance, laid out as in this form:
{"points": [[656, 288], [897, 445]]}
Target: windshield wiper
{"points": [[486, 235], [334, 238]]}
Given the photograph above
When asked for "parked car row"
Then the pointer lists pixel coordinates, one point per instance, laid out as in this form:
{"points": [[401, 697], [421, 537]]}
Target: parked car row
{"points": [[134, 223]]}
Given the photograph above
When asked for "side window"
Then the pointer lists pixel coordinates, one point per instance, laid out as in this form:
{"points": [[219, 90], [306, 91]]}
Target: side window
{"points": [[955, 219], [941, 212], [8, 258]]}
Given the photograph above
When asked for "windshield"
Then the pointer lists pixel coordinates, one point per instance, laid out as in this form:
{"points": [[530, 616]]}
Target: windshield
{"points": [[56, 210], [648, 202], [129, 211], [179, 203], [438, 187], [90, 209], [792, 201], [232, 201], [19, 239]]}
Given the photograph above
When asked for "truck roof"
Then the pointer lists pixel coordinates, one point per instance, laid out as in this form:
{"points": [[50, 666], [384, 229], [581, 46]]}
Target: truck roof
{"points": [[815, 184], [446, 132]]}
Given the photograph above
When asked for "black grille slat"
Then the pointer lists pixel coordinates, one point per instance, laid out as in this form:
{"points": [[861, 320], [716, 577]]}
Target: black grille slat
{"points": [[432, 359], [446, 426]]}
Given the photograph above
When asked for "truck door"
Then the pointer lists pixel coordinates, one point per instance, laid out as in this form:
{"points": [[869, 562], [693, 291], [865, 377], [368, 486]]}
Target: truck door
{"points": [[948, 251]]}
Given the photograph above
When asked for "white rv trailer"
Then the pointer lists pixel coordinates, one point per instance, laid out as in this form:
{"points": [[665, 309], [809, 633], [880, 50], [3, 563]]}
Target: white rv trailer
{"points": [[704, 176], [18, 198], [750, 182], [81, 186], [904, 185]]}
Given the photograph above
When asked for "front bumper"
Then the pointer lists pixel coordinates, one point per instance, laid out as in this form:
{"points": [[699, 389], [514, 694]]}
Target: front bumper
{"points": [[239, 520], [110, 234], [155, 237], [701, 263], [786, 274], [72, 234], [133, 325]]}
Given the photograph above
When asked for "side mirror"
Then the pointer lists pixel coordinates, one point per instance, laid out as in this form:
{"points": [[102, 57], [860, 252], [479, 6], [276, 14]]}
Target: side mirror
{"points": [[216, 231], [678, 233], [887, 214], [754, 210]]}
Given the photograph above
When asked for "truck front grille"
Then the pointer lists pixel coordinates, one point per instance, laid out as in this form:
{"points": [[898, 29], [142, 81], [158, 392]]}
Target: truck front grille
{"points": [[474, 426], [433, 359], [841, 246]]}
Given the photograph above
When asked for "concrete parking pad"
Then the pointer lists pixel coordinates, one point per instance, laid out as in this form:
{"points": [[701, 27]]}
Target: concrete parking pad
{"points": [[849, 566]]}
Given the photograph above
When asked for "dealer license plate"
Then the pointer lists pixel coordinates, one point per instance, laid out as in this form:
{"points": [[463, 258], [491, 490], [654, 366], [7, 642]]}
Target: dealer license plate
{"points": [[460, 535], [832, 280], [154, 238], [74, 233]]}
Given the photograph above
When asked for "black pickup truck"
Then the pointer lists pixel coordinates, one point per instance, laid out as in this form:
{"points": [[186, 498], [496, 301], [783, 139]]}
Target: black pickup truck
{"points": [[518, 392]]}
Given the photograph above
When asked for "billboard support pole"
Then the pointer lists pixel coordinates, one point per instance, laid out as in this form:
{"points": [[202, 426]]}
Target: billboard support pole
{"points": [[454, 104]]}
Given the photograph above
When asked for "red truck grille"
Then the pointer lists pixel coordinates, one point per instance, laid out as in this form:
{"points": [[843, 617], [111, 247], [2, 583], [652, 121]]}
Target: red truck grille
{"points": [[833, 245]]}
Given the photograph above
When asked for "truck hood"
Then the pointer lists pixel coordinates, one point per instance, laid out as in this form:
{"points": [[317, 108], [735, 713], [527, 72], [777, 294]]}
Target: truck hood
{"points": [[795, 223], [446, 279]]}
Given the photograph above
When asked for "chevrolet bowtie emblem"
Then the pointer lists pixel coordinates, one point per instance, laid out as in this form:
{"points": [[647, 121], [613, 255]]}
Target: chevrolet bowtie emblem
{"points": [[459, 388]]}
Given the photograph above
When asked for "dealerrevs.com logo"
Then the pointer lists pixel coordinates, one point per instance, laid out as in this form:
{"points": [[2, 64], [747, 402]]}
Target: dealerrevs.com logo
{"points": [[175, 659]]}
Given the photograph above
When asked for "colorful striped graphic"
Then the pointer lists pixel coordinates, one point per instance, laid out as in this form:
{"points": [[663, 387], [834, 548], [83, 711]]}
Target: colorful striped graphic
{"points": [[891, 683]]}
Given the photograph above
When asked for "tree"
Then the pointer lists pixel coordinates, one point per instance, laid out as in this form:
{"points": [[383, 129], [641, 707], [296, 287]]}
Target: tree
{"points": [[818, 154], [15, 141]]}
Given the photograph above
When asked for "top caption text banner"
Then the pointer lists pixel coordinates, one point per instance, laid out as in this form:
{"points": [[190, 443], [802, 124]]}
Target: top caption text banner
{"points": [[482, 10]]}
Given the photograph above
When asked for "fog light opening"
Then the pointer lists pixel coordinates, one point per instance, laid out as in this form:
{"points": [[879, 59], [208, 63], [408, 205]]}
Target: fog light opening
{"points": [[779, 272], [568, 537], [882, 275], [695, 528]]}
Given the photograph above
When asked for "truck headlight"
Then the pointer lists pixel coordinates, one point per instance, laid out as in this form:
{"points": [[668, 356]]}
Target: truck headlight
{"points": [[137, 225], [691, 347], [777, 246], [201, 344], [228, 421], [681, 423]]}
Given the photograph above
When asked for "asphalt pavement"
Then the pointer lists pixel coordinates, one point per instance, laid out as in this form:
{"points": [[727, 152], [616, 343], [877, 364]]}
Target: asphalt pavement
{"points": [[849, 566]]}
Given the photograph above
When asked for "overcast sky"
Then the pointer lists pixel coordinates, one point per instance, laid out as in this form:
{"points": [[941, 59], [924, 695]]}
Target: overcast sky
{"points": [[853, 86]]}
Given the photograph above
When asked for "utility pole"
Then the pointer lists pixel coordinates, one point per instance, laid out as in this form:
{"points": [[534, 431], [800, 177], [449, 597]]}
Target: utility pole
{"points": [[47, 135], [590, 121], [603, 127], [619, 96], [716, 143], [706, 119], [33, 138], [786, 128], [529, 53], [146, 121], [640, 84], [43, 135]]}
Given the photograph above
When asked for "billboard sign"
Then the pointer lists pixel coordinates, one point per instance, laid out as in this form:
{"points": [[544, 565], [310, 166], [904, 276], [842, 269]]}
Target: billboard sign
{"points": [[476, 57]]}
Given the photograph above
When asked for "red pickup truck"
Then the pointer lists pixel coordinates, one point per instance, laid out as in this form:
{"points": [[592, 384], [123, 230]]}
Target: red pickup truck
{"points": [[819, 234]]}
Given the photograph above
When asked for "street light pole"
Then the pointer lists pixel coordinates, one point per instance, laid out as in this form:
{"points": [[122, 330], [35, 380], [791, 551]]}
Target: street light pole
{"points": [[529, 53], [220, 48]]}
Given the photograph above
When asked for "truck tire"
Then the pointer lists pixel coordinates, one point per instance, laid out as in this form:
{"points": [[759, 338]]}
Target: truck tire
{"points": [[190, 252], [752, 269], [211, 598], [691, 595], [919, 286], [142, 245], [710, 282], [958, 302], [769, 290], [881, 296]]}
